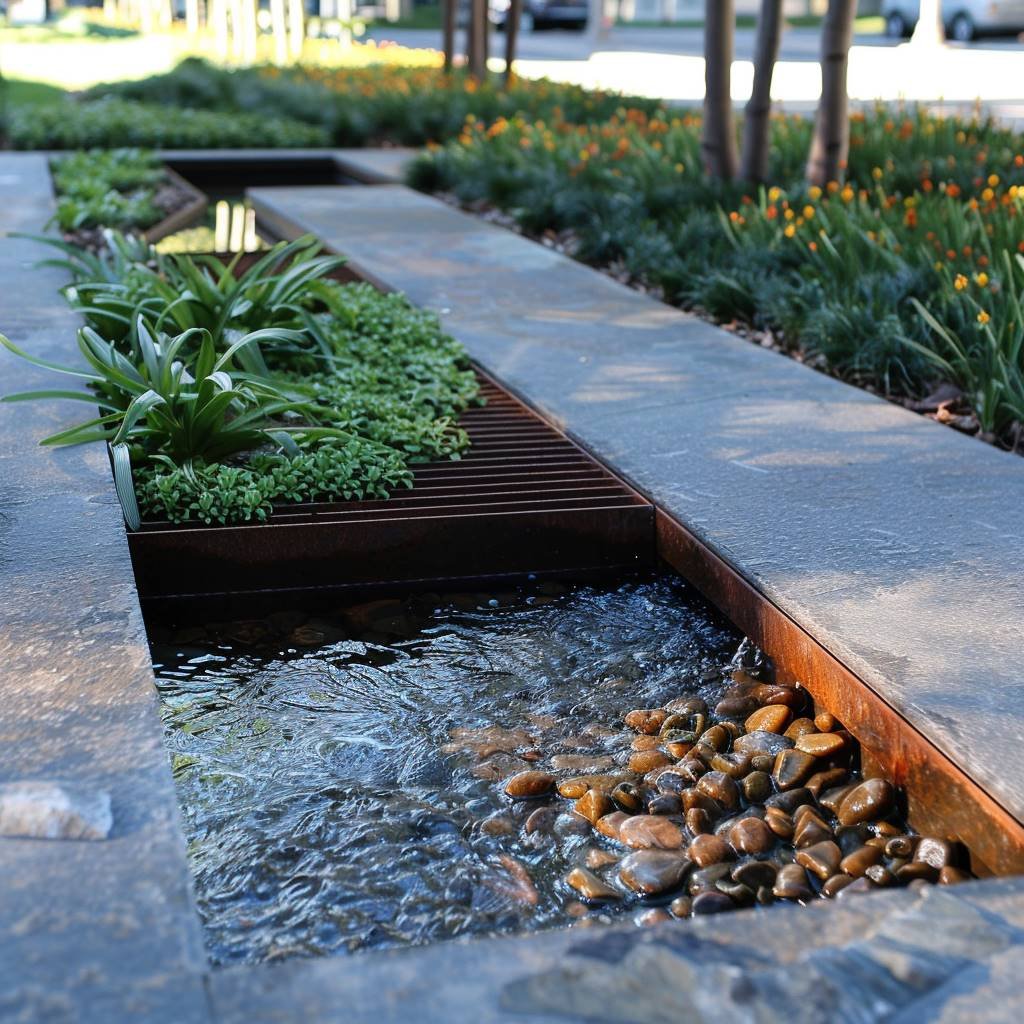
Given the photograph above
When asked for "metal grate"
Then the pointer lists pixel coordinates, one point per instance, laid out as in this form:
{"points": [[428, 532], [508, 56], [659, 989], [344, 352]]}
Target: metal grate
{"points": [[523, 499]]}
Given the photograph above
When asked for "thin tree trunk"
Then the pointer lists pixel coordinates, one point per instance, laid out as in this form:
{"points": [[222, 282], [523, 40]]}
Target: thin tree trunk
{"points": [[192, 16], [757, 121], [450, 11], [831, 141], [478, 39], [279, 31], [512, 16], [719, 137], [296, 27], [929, 31]]}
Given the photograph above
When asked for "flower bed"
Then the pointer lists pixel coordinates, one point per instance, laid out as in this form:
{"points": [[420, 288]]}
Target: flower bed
{"points": [[223, 392], [906, 279]]}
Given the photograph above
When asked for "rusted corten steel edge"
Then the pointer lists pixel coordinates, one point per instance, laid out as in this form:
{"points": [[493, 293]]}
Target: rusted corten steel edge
{"points": [[524, 499], [943, 799], [181, 218]]}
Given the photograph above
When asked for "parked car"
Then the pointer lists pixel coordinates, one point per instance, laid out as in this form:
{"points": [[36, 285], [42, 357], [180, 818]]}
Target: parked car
{"points": [[964, 19], [536, 14]]}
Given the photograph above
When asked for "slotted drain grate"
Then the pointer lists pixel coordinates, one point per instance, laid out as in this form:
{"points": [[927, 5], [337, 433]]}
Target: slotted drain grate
{"points": [[523, 499]]}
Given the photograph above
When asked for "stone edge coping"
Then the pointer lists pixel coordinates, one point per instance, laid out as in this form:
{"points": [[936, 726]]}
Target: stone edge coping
{"points": [[890, 539], [106, 931]]}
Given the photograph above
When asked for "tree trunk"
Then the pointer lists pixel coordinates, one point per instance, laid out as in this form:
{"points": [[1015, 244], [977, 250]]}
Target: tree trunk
{"points": [[831, 141], [478, 39], [512, 16], [192, 17], [929, 30], [296, 27], [450, 11], [279, 31], [757, 123], [719, 138]]}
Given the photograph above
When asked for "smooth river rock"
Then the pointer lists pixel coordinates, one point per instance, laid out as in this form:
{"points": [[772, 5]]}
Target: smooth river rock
{"points": [[650, 872], [651, 831], [870, 800]]}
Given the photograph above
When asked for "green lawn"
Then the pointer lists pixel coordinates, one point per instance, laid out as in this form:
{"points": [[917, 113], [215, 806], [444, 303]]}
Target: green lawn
{"points": [[36, 93]]}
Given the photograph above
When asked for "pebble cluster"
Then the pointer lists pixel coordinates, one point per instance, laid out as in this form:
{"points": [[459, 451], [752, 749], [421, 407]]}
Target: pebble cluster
{"points": [[751, 802]]}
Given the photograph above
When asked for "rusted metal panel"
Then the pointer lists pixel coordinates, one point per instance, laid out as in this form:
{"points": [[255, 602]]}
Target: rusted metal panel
{"points": [[941, 798]]}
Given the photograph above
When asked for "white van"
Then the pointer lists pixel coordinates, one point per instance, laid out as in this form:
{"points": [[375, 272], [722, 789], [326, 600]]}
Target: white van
{"points": [[965, 19]]}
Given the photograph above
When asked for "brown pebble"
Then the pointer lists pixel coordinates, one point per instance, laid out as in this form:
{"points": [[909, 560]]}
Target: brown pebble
{"points": [[757, 786], [819, 782], [900, 846], [879, 874], [643, 761], [650, 872], [830, 799], [678, 748], [720, 787], [651, 916], [647, 721], [872, 799], [571, 824], [582, 762], [909, 872], [706, 850], [572, 788], [610, 824], [779, 822], [857, 863], [695, 798], [577, 909], [790, 800], [687, 706], [950, 875], [733, 765], [627, 798], [751, 835], [824, 722], [820, 744], [698, 821], [835, 885], [886, 828], [792, 768], [772, 718], [644, 742], [775, 694], [530, 784], [822, 859], [707, 879], [541, 820], [762, 743], [755, 874], [594, 804], [936, 852], [735, 707], [711, 903], [681, 906], [800, 727], [716, 738], [590, 887], [497, 825], [810, 830], [598, 858], [791, 883], [651, 831], [665, 803]]}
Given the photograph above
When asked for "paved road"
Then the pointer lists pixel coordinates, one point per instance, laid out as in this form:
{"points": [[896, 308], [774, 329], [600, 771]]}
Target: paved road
{"points": [[797, 44]]}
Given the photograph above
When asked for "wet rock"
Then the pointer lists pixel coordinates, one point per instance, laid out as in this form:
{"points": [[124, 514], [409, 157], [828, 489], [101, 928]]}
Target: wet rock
{"points": [[643, 742], [649, 831], [582, 762], [529, 784], [880, 875], [772, 718], [578, 785], [571, 824], [594, 804], [651, 872], [735, 707], [596, 858], [716, 739], [751, 835], [936, 852], [499, 825], [821, 744], [762, 743], [687, 706], [643, 761], [678, 748], [819, 782], [755, 874], [590, 887], [514, 882], [647, 721], [790, 800], [627, 798], [885, 829], [830, 799], [810, 829], [712, 903], [721, 788], [857, 886], [698, 821], [610, 824], [779, 822], [793, 768], [54, 810], [909, 872], [857, 863], [900, 846], [652, 916], [800, 727], [763, 763], [791, 883], [757, 787], [767, 693], [822, 859], [824, 722], [681, 906], [706, 850], [835, 885], [950, 875], [707, 879], [665, 803], [735, 765], [870, 800], [673, 781], [740, 894]]}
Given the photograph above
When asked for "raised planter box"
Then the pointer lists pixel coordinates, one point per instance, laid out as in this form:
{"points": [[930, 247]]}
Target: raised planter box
{"points": [[185, 216]]}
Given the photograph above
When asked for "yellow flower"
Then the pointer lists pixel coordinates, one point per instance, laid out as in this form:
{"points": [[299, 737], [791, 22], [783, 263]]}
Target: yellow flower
{"points": [[877, 174], [988, 195], [680, 168], [993, 180], [789, 231], [960, 282], [939, 264], [983, 317], [789, 215], [847, 194], [814, 192], [774, 194], [981, 278], [809, 211]]}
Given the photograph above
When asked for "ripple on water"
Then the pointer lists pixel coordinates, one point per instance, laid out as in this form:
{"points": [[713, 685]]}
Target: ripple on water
{"points": [[334, 772]]}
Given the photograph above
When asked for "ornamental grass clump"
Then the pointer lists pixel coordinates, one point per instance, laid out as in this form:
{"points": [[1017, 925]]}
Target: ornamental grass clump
{"points": [[211, 418]]}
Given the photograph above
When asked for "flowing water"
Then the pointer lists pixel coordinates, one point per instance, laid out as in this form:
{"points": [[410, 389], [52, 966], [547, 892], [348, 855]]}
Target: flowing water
{"points": [[340, 777]]}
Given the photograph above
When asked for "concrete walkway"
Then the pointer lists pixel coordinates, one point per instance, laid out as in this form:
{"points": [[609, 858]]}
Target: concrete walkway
{"points": [[895, 542]]}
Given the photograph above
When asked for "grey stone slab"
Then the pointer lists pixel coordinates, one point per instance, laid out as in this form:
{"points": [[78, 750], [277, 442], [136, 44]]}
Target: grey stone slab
{"points": [[864, 959], [375, 166], [897, 543], [102, 930]]}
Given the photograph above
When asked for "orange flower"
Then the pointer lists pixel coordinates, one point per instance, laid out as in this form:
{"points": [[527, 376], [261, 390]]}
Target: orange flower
{"points": [[983, 317], [953, 190], [960, 282]]}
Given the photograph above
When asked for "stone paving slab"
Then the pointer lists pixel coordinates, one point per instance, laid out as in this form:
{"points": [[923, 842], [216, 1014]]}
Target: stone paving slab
{"points": [[89, 930], [895, 542]]}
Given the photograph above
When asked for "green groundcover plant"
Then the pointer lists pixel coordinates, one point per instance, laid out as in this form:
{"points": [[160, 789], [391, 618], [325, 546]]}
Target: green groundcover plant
{"points": [[223, 391]]}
